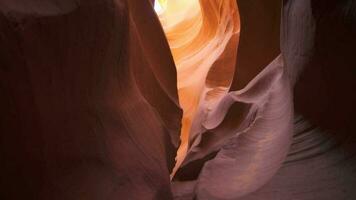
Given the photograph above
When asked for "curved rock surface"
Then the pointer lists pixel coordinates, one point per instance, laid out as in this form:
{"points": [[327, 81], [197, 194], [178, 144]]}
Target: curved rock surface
{"points": [[239, 145], [96, 95], [197, 30], [87, 110]]}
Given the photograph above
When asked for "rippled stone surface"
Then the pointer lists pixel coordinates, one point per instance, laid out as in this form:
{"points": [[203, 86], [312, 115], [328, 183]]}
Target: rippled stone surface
{"points": [[93, 93], [203, 37]]}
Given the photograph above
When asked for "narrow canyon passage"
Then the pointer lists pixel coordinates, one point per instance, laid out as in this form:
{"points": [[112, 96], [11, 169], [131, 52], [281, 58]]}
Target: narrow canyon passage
{"points": [[98, 96], [203, 37]]}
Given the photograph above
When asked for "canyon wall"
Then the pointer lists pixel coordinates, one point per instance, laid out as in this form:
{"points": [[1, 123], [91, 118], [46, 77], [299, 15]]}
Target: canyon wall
{"points": [[90, 106]]}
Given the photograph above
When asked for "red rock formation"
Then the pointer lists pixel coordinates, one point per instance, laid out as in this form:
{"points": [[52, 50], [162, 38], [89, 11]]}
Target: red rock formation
{"points": [[317, 43], [89, 106], [241, 144], [89, 103], [203, 36]]}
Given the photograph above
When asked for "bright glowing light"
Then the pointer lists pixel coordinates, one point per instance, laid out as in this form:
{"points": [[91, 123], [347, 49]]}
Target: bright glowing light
{"points": [[160, 5]]}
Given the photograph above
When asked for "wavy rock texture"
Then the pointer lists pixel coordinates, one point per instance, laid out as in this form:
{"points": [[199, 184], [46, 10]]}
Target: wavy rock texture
{"points": [[196, 30], [317, 43], [233, 135], [90, 96], [87, 110], [241, 143]]}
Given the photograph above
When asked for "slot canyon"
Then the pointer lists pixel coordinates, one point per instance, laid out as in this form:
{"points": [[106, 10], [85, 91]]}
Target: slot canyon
{"points": [[177, 99]]}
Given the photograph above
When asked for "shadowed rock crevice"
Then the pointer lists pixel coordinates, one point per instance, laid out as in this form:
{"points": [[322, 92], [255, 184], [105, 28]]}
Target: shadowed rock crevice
{"points": [[93, 93]]}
